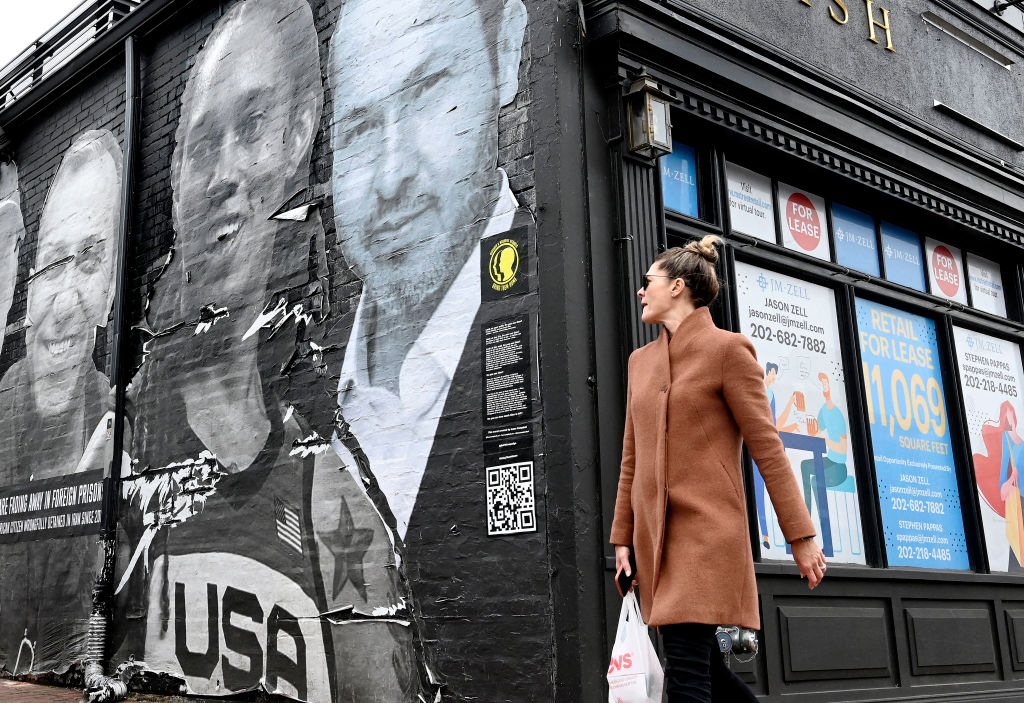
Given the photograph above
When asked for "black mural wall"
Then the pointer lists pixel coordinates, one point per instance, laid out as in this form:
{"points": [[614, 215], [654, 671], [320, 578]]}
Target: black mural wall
{"points": [[59, 214], [335, 484]]}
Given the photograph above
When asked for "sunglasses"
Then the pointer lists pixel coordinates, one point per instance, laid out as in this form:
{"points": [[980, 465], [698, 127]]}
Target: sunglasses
{"points": [[649, 276]]}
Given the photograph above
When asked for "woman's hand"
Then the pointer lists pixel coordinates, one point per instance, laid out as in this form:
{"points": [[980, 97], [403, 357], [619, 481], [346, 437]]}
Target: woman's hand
{"points": [[1007, 488], [810, 560], [622, 561]]}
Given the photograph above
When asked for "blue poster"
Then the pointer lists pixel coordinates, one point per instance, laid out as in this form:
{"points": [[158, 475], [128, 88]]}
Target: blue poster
{"points": [[904, 262], [679, 180], [905, 400], [856, 245]]}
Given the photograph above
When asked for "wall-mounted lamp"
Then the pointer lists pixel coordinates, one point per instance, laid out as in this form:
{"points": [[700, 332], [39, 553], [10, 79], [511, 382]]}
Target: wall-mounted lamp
{"points": [[1001, 7], [650, 118]]}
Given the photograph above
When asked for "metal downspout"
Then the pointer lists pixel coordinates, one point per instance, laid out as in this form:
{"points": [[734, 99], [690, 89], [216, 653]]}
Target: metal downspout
{"points": [[99, 687]]}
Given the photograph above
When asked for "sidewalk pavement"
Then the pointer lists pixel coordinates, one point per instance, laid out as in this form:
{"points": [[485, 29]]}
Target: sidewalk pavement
{"points": [[24, 692], [21, 692]]}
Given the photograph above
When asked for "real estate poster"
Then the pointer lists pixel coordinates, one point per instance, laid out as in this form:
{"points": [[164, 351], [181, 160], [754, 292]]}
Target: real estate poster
{"points": [[679, 180], [856, 242], [803, 221], [986, 279], [945, 270], [906, 405], [901, 252], [992, 381], [795, 329], [751, 210]]}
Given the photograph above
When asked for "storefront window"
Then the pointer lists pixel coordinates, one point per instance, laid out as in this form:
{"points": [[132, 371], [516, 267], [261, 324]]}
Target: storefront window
{"points": [[986, 281], [804, 226], [901, 250], [856, 241], [679, 180], [945, 271], [795, 328], [751, 210], [993, 384], [905, 401]]}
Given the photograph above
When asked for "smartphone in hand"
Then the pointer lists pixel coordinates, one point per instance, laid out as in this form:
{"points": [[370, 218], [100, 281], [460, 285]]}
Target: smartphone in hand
{"points": [[623, 582]]}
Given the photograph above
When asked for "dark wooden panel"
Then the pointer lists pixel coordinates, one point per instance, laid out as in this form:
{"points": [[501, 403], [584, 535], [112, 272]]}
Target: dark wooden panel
{"points": [[833, 643], [1015, 630], [950, 640]]}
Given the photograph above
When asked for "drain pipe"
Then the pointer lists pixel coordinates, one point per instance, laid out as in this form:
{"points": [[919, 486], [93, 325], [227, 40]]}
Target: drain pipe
{"points": [[100, 688]]}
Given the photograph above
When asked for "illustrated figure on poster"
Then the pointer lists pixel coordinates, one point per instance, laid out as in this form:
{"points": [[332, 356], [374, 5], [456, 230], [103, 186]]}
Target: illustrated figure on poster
{"points": [[418, 87], [53, 401], [830, 424], [239, 510], [997, 472]]}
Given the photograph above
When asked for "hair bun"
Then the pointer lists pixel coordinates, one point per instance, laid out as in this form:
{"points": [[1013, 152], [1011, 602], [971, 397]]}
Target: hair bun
{"points": [[706, 248]]}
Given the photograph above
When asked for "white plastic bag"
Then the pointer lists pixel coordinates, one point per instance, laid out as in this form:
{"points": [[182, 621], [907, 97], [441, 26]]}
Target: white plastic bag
{"points": [[634, 673]]}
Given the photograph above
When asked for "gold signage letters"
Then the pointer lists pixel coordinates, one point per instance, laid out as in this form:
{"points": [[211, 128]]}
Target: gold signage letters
{"points": [[840, 14], [842, 6], [884, 24]]}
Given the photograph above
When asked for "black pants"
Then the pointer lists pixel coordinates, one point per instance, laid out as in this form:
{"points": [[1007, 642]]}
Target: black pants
{"points": [[695, 671]]}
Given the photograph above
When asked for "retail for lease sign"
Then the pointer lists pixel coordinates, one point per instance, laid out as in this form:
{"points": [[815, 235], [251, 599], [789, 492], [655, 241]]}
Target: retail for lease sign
{"points": [[945, 270], [914, 467], [992, 380], [803, 220], [750, 203], [795, 329], [986, 279]]}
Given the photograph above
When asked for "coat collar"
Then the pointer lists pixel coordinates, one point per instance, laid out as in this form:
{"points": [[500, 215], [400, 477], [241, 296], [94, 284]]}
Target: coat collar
{"points": [[692, 326]]}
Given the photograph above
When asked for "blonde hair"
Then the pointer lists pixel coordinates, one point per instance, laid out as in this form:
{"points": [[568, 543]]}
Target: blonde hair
{"points": [[695, 264]]}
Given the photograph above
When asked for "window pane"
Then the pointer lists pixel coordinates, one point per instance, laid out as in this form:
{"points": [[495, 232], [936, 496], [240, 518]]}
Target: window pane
{"points": [[856, 245], [902, 251], [992, 380], [986, 285], [679, 180], [804, 228], [750, 203], [906, 404], [945, 270], [795, 329]]}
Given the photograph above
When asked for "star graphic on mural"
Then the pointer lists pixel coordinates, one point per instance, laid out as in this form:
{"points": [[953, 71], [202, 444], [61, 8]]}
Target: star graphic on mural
{"points": [[348, 544]]}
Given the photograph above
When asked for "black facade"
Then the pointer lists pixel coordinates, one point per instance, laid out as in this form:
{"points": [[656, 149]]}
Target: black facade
{"points": [[914, 124]]}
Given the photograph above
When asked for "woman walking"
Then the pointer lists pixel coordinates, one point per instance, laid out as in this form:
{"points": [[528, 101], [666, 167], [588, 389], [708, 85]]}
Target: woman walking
{"points": [[695, 394]]}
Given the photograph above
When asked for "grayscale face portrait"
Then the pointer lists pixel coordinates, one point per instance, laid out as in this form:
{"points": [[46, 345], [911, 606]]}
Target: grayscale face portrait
{"points": [[12, 231], [418, 85], [248, 117], [71, 284]]}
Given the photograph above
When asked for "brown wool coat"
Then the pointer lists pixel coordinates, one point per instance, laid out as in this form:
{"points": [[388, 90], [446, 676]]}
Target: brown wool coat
{"points": [[692, 401]]}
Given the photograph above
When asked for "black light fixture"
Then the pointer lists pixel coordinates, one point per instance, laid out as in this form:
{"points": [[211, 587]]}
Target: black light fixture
{"points": [[1001, 7], [650, 117]]}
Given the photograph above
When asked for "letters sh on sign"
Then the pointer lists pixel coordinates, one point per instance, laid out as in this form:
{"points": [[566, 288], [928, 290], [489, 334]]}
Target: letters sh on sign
{"points": [[804, 224], [878, 22]]}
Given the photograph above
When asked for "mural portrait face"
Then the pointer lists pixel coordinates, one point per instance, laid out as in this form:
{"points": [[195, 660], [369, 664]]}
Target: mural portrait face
{"points": [[69, 291], [248, 117], [418, 85], [12, 230]]}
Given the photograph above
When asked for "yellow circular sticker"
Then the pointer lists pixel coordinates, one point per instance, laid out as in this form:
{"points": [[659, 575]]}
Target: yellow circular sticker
{"points": [[504, 264]]}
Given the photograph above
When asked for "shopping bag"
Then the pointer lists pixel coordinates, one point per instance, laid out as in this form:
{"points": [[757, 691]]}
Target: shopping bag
{"points": [[634, 673]]}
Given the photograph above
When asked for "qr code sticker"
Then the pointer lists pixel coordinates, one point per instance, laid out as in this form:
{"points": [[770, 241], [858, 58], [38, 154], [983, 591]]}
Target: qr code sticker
{"points": [[510, 506]]}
